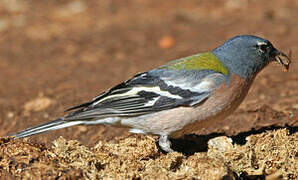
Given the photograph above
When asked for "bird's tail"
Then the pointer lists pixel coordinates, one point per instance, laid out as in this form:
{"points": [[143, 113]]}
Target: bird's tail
{"points": [[49, 126]]}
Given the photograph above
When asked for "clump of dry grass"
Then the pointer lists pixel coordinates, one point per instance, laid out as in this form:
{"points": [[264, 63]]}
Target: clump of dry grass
{"points": [[273, 154]]}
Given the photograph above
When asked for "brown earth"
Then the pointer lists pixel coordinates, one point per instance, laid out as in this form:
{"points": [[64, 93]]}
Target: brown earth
{"points": [[56, 54]]}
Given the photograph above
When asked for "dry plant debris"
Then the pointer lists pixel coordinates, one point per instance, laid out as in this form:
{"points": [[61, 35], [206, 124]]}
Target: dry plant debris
{"points": [[273, 154]]}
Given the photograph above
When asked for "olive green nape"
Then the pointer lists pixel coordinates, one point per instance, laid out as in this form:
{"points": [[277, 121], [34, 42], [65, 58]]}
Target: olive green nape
{"points": [[204, 61]]}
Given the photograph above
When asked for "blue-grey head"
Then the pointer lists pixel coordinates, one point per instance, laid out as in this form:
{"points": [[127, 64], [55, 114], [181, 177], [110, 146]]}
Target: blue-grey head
{"points": [[246, 55]]}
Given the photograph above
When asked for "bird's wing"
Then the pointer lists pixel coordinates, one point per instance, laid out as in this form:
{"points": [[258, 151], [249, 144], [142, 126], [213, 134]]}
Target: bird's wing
{"points": [[151, 91], [184, 82]]}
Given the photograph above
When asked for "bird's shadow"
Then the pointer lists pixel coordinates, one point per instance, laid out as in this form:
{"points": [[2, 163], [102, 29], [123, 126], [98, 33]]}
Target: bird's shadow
{"points": [[192, 143]]}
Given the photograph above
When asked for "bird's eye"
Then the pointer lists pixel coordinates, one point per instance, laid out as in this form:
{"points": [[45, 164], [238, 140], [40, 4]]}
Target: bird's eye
{"points": [[262, 47]]}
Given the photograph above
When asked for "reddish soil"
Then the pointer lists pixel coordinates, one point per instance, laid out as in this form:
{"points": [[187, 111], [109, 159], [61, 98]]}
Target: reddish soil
{"points": [[56, 54]]}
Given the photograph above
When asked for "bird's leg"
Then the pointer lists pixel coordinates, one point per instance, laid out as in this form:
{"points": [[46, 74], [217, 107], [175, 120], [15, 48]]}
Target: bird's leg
{"points": [[164, 143]]}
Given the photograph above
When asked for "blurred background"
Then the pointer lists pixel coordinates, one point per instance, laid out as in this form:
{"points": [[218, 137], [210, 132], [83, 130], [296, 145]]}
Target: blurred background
{"points": [[56, 54]]}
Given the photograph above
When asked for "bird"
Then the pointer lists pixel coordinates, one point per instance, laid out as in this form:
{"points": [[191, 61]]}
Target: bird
{"points": [[179, 97]]}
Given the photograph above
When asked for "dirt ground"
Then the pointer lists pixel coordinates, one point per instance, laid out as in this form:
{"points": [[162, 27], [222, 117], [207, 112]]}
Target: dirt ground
{"points": [[56, 54]]}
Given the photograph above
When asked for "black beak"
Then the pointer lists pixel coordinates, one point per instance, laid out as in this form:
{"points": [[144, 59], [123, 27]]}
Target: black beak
{"points": [[282, 58]]}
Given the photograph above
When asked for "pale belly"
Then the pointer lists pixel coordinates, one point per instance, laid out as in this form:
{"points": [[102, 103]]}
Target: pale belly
{"points": [[185, 120]]}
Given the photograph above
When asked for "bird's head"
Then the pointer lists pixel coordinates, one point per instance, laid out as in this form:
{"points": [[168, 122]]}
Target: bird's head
{"points": [[246, 55]]}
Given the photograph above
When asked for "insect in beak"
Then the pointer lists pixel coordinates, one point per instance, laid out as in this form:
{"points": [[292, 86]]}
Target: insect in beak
{"points": [[283, 59]]}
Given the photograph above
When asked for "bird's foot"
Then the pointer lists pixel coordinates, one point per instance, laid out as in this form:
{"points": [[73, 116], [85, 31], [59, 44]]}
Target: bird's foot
{"points": [[164, 143]]}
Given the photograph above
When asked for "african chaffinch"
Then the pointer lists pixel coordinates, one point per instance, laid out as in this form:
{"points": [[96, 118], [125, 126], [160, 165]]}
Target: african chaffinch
{"points": [[177, 98]]}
